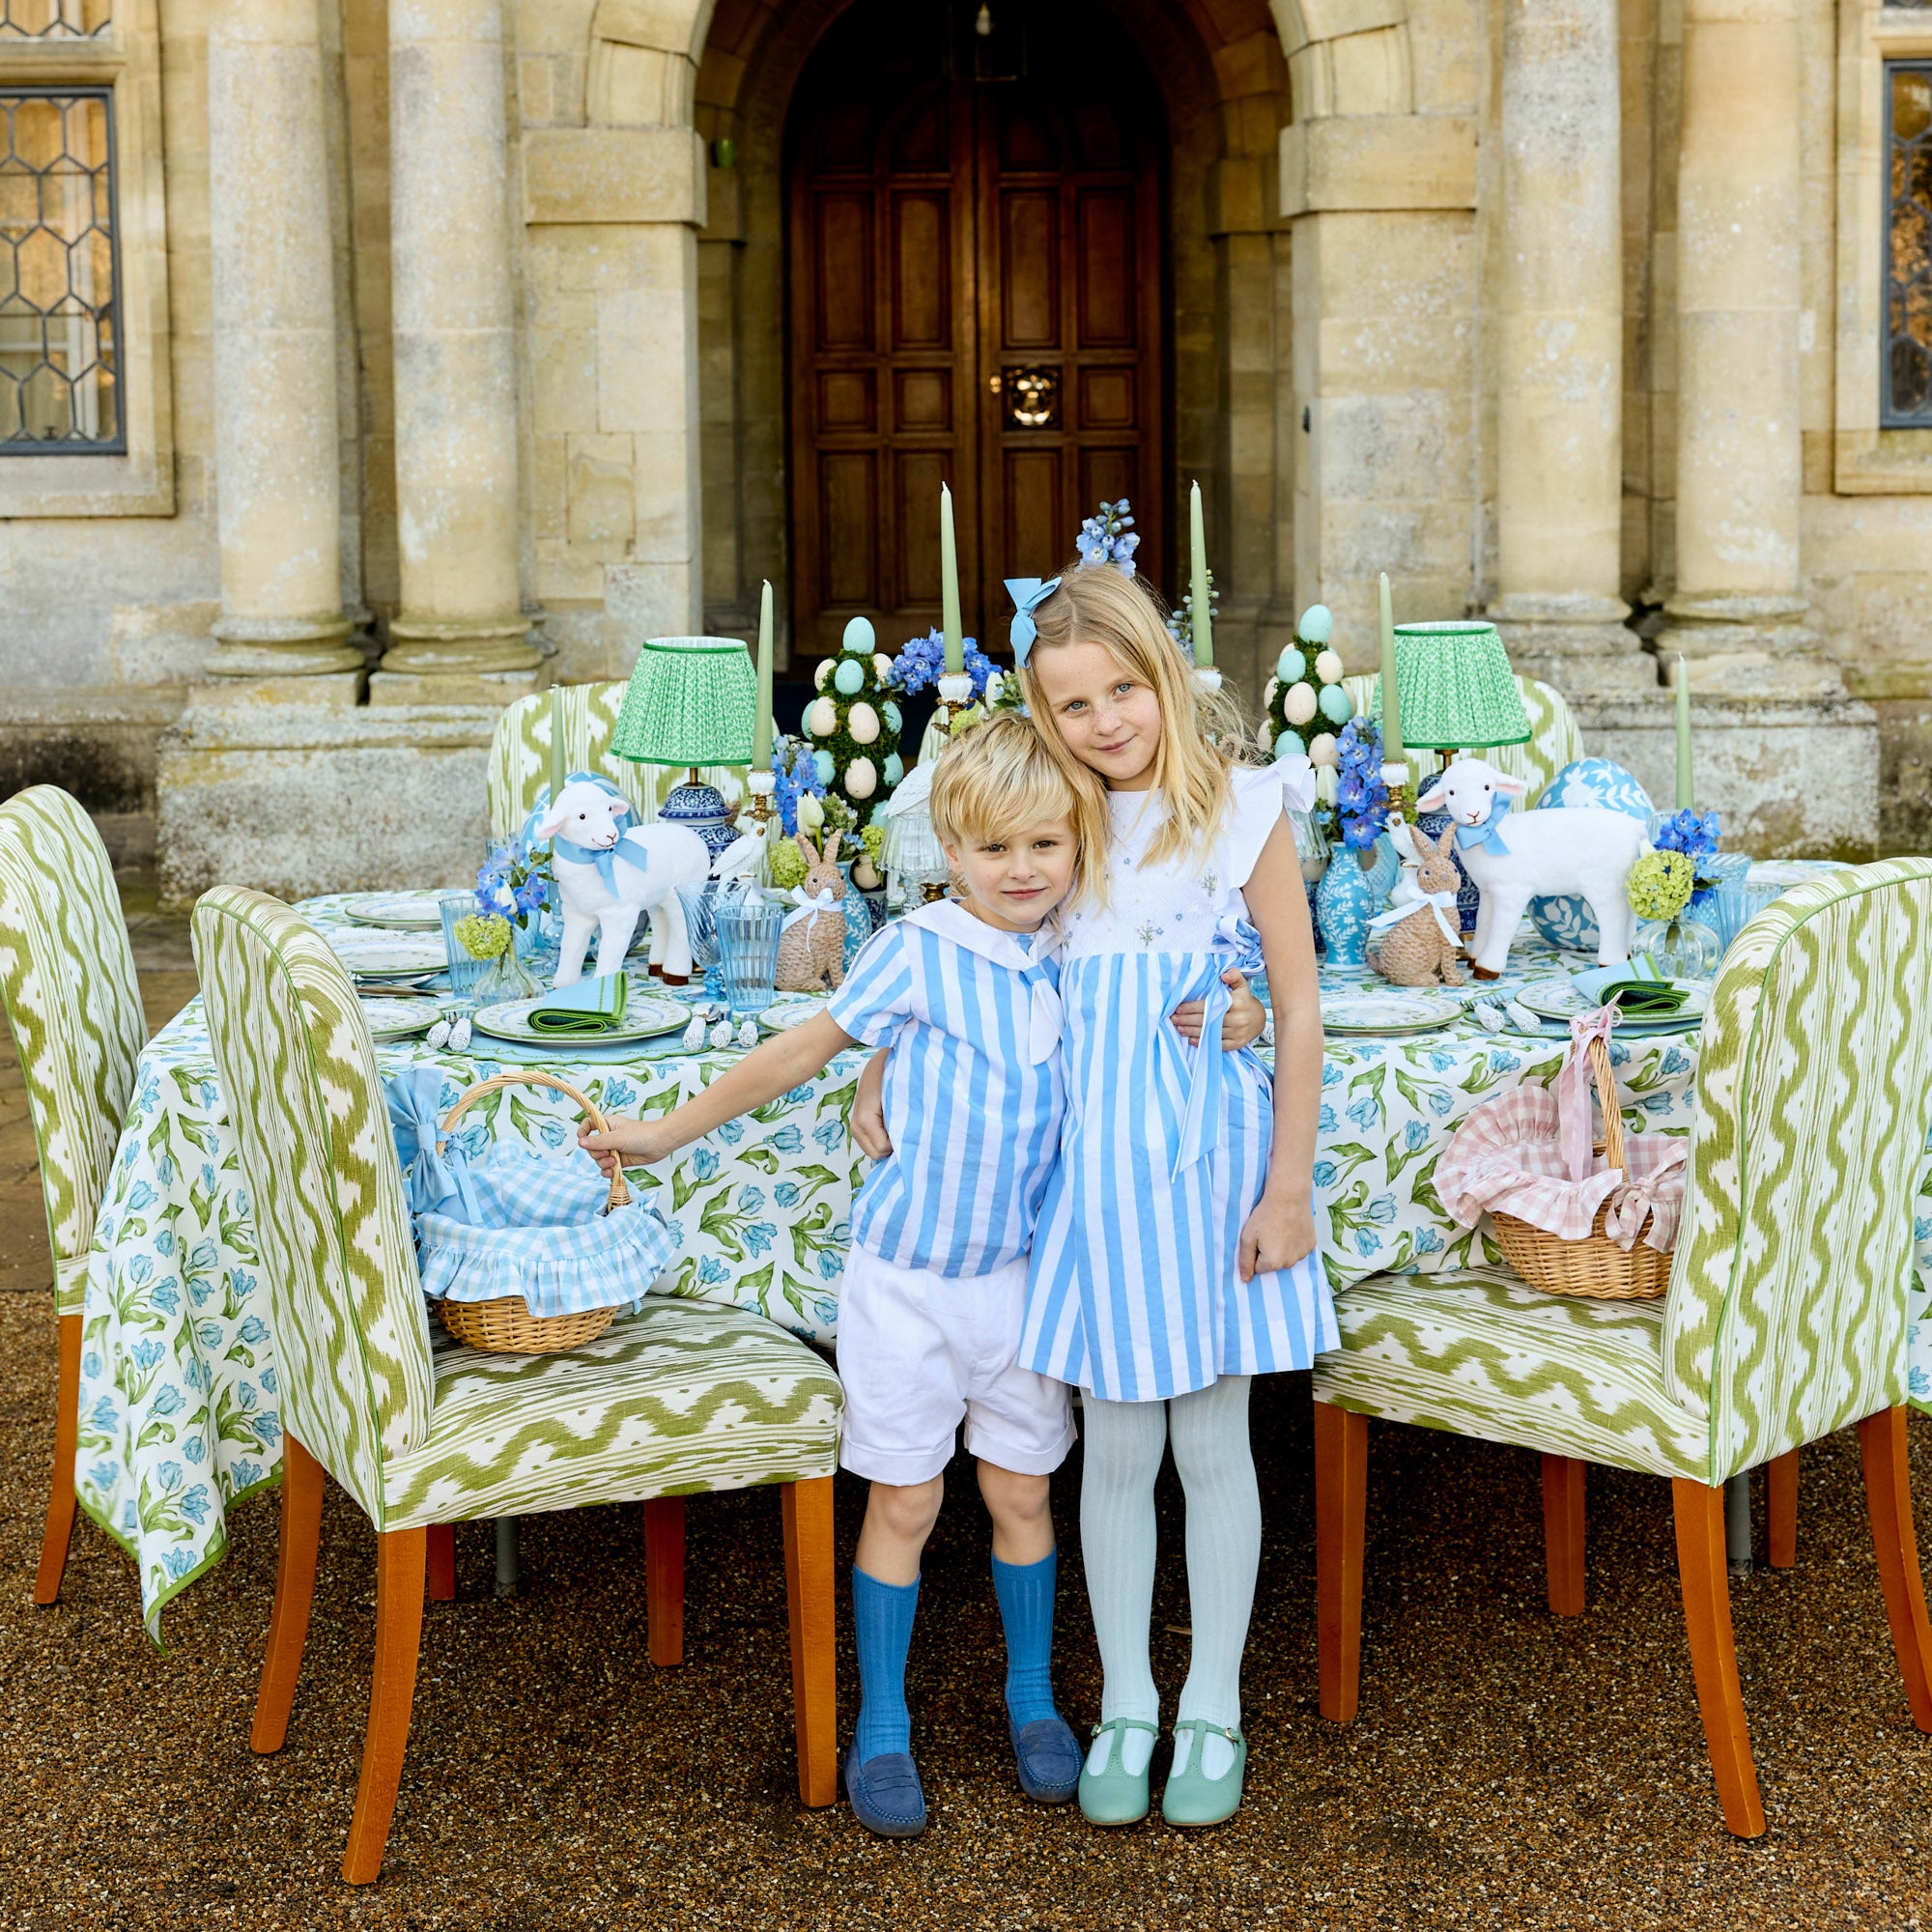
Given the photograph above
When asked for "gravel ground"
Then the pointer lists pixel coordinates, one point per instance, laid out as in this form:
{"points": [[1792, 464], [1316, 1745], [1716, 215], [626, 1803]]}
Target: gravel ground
{"points": [[1506, 1770]]}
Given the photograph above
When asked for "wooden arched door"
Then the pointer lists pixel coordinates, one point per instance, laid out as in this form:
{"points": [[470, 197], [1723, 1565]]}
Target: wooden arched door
{"points": [[976, 297]]}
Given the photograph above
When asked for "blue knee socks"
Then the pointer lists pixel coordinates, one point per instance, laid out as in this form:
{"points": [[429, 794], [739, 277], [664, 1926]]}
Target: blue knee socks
{"points": [[881, 1615], [1025, 1591]]}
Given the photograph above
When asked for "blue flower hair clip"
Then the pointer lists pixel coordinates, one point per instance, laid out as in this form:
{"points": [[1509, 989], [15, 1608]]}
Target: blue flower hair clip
{"points": [[1028, 593]]}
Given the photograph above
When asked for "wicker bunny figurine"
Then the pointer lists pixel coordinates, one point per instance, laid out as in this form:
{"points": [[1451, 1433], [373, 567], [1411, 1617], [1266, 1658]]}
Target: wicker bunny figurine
{"points": [[811, 950], [1419, 944]]}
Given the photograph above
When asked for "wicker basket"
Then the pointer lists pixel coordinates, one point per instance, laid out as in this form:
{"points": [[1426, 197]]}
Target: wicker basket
{"points": [[1594, 1267], [506, 1326]]}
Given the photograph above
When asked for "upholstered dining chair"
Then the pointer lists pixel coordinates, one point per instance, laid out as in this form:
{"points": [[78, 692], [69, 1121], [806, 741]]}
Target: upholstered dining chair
{"points": [[75, 1008], [1785, 1317], [678, 1399], [1555, 738], [520, 754]]}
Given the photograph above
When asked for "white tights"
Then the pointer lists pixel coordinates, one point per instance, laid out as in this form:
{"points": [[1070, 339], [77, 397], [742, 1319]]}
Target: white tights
{"points": [[1125, 1440]]}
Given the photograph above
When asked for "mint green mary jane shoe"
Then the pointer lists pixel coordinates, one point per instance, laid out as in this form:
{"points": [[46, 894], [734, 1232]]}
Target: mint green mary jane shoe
{"points": [[1114, 1796], [1193, 1799]]}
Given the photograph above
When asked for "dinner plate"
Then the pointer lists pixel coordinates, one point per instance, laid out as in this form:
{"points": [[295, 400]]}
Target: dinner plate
{"points": [[1561, 1000], [1396, 1011], [647, 1015], [790, 1009], [416, 912], [393, 1018], [372, 953]]}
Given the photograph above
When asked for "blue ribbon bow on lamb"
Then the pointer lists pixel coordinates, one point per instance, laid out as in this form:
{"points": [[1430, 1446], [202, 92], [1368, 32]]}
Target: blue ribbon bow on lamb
{"points": [[1490, 834], [1028, 593], [605, 858]]}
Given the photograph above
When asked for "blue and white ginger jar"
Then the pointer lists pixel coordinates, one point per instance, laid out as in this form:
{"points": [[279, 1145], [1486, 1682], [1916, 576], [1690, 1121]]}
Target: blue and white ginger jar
{"points": [[1565, 919]]}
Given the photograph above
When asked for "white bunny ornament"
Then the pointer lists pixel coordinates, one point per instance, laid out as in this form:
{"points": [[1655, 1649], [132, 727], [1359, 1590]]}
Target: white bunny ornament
{"points": [[1516, 856], [606, 878]]}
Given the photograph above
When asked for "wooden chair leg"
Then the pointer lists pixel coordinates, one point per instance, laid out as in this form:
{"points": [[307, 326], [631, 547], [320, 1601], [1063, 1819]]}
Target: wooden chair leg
{"points": [[400, 1564], [1705, 1575], [59, 1492], [809, 1599], [1888, 1499], [1341, 1514], [440, 1561], [1781, 1483], [295, 1591], [664, 1578], [1563, 1533]]}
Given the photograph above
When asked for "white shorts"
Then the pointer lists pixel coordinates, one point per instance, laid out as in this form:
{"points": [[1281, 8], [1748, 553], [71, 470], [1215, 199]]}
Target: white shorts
{"points": [[919, 1351]]}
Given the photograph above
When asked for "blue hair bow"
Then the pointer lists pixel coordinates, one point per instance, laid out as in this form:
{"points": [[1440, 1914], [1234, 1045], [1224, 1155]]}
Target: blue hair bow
{"points": [[1028, 593]]}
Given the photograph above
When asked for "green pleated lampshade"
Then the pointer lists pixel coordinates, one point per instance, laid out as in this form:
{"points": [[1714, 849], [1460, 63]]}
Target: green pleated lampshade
{"points": [[1458, 691], [692, 702]]}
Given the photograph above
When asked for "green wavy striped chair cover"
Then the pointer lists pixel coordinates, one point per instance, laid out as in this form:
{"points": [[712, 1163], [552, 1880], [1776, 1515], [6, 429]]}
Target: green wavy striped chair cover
{"points": [[520, 754], [675, 1399], [1785, 1317], [75, 1009], [1554, 741]]}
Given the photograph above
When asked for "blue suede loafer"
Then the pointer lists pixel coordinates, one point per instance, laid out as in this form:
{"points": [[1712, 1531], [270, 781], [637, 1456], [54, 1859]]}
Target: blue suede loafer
{"points": [[885, 1794], [1048, 1759]]}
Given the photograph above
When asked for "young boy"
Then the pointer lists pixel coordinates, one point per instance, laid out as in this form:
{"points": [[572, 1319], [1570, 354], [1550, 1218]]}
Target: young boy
{"points": [[964, 994]]}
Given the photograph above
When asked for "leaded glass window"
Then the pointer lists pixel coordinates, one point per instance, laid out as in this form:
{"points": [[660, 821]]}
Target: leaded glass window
{"points": [[1908, 252], [53, 19], [60, 334]]}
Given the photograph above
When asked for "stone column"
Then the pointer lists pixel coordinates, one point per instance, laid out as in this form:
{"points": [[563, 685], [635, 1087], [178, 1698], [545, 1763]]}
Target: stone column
{"points": [[461, 635], [278, 459], [1560, 315], [1738, 609]]}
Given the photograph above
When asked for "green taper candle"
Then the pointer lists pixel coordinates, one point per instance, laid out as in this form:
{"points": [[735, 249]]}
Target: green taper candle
{"points": [[949, 585], [761, 732], [1686, 790], [1392, 753], [559, 769], [1203, 612]]}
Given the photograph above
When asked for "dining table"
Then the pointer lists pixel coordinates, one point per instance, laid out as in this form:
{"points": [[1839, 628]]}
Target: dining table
{"points": [[180, 1410]]}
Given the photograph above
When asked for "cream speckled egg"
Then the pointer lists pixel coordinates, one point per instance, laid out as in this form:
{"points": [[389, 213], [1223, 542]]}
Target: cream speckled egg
{"points": [[1264, 736], [1301, 703], [882, 665], [1329, 668], [821, 719], [863, 722], [862, 778], [1321, 751], [823, 672]]}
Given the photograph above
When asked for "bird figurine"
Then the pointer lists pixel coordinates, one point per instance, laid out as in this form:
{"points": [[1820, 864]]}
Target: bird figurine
{"points": [[694, 1034], [744, 858], [747, 1034], [721, 1034]]}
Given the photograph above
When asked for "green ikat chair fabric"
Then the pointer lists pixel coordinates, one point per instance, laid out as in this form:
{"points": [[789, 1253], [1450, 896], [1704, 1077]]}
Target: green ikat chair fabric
{"points": [[1786, 1314], [520, 754], [1554, 740], [679, 1397], [75, 1008]]}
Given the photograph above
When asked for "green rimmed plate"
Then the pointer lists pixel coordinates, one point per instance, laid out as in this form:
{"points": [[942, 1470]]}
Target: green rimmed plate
{"points": [[646, 1016], [790, 1009], [398, 1017], [413, 911], [372, 953], [1560, 1000], [1395, 1011]]}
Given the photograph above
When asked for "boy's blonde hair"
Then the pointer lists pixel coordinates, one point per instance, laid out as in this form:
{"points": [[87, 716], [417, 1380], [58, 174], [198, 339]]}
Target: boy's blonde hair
{"points": [[1102, 607], [995, 782]]}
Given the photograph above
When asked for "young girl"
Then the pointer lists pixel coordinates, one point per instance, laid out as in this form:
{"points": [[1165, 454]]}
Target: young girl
{"points": [[1175, 1255]]}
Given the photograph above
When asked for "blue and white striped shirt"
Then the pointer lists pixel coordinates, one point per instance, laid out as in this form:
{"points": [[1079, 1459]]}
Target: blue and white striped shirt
{"points": [[973, 1089]]}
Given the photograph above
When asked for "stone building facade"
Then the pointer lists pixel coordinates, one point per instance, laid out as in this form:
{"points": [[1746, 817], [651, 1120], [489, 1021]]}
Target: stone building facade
{"points": [[367, 362]]}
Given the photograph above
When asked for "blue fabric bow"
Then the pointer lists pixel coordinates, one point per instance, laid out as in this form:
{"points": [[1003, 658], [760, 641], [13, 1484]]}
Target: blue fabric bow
{"points": [[1028, 593], [435, 1183], [1488, 834], [604, 858]]}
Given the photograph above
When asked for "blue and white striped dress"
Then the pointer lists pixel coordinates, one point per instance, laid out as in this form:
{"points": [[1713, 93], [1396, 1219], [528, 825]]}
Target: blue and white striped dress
{"points": [[1135, 1294], [973, 1089]]}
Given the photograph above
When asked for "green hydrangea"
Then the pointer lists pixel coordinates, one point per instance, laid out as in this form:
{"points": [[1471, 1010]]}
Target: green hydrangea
{"points": [[1661, 885], [873, 838], [787, 865], [483, 935]]}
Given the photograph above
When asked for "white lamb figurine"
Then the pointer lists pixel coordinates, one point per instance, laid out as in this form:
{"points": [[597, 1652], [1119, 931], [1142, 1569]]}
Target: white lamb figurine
{"points": [[606, 880], [1580, 849]]}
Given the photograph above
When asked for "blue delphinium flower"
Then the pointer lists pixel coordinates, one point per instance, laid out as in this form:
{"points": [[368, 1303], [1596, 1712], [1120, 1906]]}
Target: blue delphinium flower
{"points": [[1361, 798], [921, 662], [795, 767], [1695, 835], [1109, 538]]}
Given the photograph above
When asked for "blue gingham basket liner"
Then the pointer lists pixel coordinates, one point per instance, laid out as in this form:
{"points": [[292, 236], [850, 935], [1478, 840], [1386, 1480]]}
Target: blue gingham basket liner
{"points": [[607, 1262]]}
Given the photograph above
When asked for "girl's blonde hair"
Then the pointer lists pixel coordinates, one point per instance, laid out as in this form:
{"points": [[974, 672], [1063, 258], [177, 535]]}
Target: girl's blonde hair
{"points": [[1198, 727], [998, 779]]}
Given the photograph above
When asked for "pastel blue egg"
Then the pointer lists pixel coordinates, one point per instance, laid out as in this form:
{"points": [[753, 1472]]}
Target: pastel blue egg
{"points": [[889, 712], [1565, 919], [849, 677], [1291, 667], [1317, 626], [826, 767], [894, 767], [1289, 744], [1337, 706], [859, 638]]}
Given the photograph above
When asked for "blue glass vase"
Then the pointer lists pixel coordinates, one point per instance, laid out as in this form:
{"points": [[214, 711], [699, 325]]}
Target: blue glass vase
{"points": [[1348, 897]]}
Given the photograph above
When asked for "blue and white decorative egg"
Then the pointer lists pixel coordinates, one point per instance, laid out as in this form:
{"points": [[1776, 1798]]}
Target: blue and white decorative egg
{"points": [[1291, 667], [849, 677], [895, 766], [860, 639], [1565, 919]]}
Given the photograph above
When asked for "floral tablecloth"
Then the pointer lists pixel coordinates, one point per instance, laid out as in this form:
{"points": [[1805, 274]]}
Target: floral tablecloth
{"points": [[179, 1400]]}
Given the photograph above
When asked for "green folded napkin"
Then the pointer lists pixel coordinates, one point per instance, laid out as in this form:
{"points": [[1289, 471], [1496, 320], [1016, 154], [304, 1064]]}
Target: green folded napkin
{"points": [[591, 1006], [1636, 988]]}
